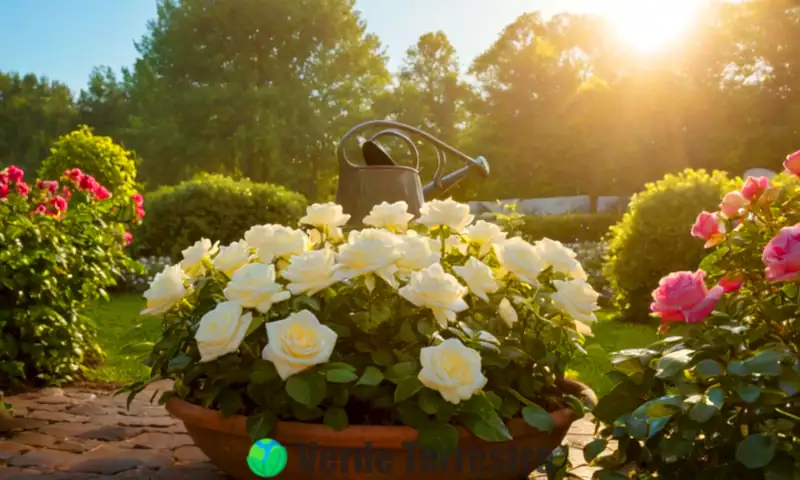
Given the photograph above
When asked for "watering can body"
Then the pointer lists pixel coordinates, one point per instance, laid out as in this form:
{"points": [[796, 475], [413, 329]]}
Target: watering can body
{"points": [[361, 187]]}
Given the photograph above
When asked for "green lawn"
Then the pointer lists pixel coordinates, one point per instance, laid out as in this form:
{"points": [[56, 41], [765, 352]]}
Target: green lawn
{"points": [[121, 329]]}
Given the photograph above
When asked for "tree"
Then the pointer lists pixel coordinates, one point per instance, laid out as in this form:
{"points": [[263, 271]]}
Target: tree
{"points": [[33, 113], [104, 104], [264, 88]]}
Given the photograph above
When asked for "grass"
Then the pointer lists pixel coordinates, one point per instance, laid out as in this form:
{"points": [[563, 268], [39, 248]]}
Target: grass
{"points": [[121, 328]]}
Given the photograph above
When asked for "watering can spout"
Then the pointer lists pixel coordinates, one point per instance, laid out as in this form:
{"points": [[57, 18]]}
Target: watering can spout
{"points": [[361, 187]]}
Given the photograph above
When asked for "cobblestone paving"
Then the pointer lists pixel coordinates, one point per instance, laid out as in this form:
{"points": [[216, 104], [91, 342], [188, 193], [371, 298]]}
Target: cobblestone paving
{"points": [[81, 433]]}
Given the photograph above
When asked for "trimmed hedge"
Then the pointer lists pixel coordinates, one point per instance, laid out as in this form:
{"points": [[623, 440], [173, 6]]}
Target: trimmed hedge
{"points": [[211, 206], [569, 228]]}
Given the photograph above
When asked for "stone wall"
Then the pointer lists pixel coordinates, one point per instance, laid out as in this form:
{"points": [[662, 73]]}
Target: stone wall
{"points": [[551, 205]]}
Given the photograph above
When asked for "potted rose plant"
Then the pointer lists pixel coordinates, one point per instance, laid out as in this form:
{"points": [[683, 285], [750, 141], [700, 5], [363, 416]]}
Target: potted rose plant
{"points": [[719, 397], [438, 331]]}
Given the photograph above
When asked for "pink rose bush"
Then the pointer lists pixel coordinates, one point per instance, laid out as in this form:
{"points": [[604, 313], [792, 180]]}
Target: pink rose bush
{"points": [[720, 396], [62, 244]]}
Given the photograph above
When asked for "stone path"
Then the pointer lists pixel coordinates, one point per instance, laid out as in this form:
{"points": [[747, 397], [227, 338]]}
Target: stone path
{"points": [[81, 433]]}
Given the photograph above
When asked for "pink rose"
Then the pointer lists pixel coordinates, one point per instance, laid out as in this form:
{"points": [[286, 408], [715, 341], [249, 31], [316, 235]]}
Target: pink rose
{"points": [[754, 186], [48, 185], [732, 203], [101, 193], [684, 297], [23, 188], [710, 228], [88, 183], [731, 283], [39, 210], [782, 255], [138, 199], [59, 203], [15, 174], [792, 162], [3, 191], [128, 237]]}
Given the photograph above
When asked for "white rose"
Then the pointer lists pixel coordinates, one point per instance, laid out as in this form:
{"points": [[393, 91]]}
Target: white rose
{"points": [[297, 343], [222, 330], [276, 241], [369, 252], [194, 257], [232, 257], [507, 313], [254, 286], [416, 252], [448, 212], [562, 259], [479, 278], [454, 244], [521, 259], [310, 272], [438, 290], [326, 216], [166, 290], [391, 216], [577, 298], [485, 234], [451, 369]]}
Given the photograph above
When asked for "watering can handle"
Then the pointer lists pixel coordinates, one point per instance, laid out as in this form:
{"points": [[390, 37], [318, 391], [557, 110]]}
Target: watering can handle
{"points": [[440, 182]]}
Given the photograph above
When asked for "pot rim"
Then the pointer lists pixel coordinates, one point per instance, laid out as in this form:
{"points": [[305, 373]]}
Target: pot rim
{"points": [[299, 432]]}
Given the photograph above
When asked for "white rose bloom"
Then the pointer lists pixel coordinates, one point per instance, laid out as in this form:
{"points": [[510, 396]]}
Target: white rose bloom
{"points": [[507, 313], [454, 244], [521, 259], [452, 369], [369, 252], [310, 272], [166, 290], [326, 216], [417, 252], [254, 286], [448, 212], [232, 257], [485, 234], [222, 330], [276, 241], [577, 298], [391, 216], [435, 289], [297, 343], [562, 259], [195, 256], [479, 278]]}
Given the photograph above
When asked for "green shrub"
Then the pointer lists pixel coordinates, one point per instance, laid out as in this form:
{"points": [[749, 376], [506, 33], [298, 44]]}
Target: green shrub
{"points": [[61, 246], [214, 207], [652, 239], [569, 228], [110, 164]]}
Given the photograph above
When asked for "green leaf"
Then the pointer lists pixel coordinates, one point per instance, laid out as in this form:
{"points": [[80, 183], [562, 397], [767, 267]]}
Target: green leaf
{"points": [[341, 376], [593, 449], [406, 389], [756, 451], [438, 437], [335, 417], [673, 363], [702, 412], [749, 393], [262, 371], [738, 368], [716, 397], [765, 362], [398, 372], [257, 322], [382, 358], [178, 363], [407, 333], [708, 368], [306, 389], [372, 376], [537, 417], [230, 403], [260, 425], [676, 448], [305, 301], [429, 401], [660, 407], [482, 420]]}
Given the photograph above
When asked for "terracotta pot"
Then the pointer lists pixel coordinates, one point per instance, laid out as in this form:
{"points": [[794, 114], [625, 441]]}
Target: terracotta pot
{"points": [[371, 452]]}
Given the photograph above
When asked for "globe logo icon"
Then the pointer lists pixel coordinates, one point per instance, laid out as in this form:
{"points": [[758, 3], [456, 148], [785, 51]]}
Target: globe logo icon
{"points": [[267, 458]]}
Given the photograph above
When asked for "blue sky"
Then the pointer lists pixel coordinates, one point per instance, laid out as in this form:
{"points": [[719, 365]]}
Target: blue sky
{"points": [[64, 39]]}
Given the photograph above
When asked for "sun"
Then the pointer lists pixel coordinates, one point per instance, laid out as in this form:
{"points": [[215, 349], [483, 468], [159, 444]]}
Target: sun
{"points": [[650, 25]]}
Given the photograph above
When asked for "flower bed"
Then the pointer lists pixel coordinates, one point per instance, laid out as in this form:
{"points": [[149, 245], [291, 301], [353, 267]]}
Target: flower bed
{"points": [[430, 324], [720, 396], [61, 244]]}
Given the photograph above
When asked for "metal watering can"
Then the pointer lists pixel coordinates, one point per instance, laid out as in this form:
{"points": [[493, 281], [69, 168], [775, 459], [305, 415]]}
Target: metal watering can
{"points": [[361, 187]]}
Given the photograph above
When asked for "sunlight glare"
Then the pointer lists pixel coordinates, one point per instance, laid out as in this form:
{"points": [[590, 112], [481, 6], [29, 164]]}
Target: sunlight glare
{"points": [[649, 25]]}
